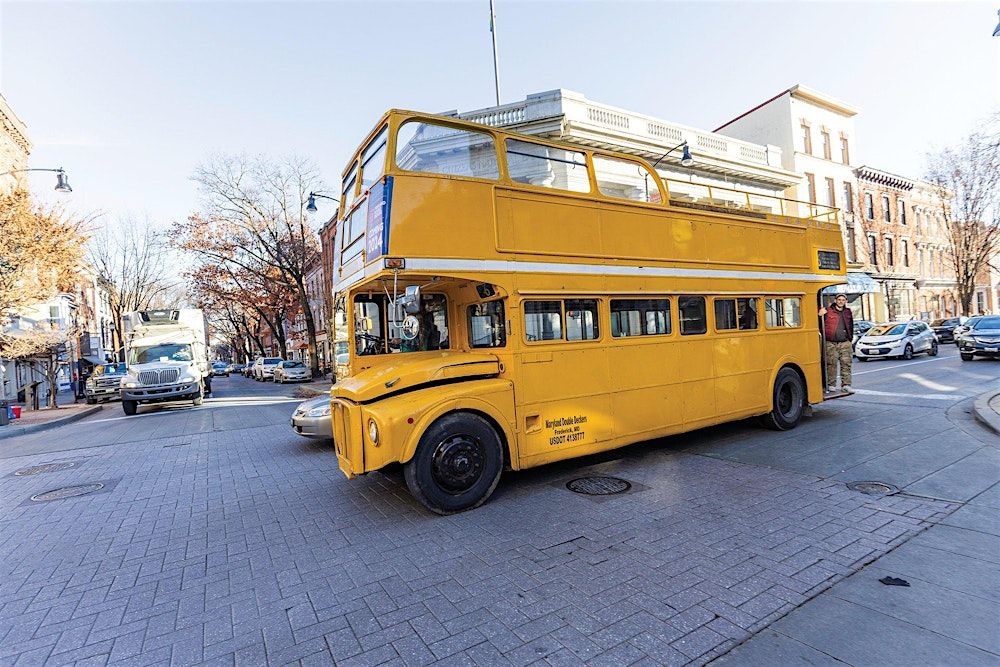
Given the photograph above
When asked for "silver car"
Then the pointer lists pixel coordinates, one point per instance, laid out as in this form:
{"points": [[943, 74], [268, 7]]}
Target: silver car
{"points": [[897, 339], [312, 418], [291, 371]]}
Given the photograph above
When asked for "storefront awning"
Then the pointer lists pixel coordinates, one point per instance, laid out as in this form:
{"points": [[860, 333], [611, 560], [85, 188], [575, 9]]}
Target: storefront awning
{"points": [[857, 283]]}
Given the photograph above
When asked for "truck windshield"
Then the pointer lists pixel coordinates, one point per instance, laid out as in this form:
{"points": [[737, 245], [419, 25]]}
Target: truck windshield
{"points": [[164, 352]]}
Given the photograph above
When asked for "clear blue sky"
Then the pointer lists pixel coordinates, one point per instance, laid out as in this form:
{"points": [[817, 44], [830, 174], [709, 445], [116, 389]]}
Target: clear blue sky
{"points": [[129, 97]]}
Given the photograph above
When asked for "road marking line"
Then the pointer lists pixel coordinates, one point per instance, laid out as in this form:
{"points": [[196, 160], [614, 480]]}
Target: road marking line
{"points": [[930, 397], [895, 367]]}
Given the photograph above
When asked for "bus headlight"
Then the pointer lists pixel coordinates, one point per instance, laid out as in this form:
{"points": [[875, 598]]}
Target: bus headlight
{"points": [[373, 431]]}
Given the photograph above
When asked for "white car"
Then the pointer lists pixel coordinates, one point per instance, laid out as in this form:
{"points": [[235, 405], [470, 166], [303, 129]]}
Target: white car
{"points": [[263, 369], [312, 418], [291, 371], [897, 339]]}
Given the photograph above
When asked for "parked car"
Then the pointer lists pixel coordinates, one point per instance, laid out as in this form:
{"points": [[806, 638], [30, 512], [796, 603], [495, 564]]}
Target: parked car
{"points": [[312, 418], [861, 327], [291, 371], [962, 329], [105, 383], [983, 340], [236, 368], [248, 371], [897, 339], [265, 369], [945, 328], [220, 369]]}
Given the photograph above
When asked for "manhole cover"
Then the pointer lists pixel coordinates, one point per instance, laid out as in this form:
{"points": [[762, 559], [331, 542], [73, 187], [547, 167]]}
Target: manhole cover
{"points": [[598, 486], [873, 488], [67, 492], [45, 467]]}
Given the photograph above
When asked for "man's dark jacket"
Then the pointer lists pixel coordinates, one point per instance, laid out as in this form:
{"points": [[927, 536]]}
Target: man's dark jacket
{"points": [[830, 322]]}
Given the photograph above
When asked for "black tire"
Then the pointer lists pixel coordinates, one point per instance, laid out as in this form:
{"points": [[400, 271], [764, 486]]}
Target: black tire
{"points": [[91, 401], [130, 407], [908, 352], [933, 352], [457, 464], [966, 357], [864, 359], [788, 401]]}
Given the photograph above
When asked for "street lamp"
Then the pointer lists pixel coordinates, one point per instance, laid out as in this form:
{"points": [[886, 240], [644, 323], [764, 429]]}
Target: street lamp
{"points": [[62, 181], [311, 204], [686, 159]]}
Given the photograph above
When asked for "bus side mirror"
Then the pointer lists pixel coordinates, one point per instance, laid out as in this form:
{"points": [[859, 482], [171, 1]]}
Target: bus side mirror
{"points": [[410, 302]]}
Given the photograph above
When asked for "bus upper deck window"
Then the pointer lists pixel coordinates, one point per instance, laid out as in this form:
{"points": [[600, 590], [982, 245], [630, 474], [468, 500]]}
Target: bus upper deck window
{"points": [[439, 149], [348, 191], [373, 160], [547, 166], [624, 179]]}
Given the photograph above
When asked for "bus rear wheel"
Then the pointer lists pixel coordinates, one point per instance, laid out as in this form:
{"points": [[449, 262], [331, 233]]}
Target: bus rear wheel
{"points": [[788, 402], [457, 464]]}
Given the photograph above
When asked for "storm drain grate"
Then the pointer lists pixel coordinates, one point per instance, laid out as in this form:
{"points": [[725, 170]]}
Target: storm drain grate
{"points": [[598, 485], [67, 492], [873, 488], [45, 467]]}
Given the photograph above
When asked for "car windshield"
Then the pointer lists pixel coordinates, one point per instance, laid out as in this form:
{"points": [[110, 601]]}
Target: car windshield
{"points": [[887, 330], [292, 364], [987, 323], [272, 362], [218, 364], [165, 352]]}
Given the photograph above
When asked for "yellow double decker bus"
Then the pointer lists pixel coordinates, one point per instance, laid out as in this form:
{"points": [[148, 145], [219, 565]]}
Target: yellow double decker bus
{"points": [[511, 301]]}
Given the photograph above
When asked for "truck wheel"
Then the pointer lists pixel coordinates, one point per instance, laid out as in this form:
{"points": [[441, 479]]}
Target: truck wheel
{"points": [[789, 401], [457, 464], [130, 407], [91, 401], [966, 357]]}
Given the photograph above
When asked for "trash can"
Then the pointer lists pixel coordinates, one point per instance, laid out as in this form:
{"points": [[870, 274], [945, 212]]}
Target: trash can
{"points": [[16, 410], [4, 415]]}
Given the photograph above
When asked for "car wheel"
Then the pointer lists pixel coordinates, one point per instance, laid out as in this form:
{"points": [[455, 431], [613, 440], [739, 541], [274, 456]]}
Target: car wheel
{"points": [[91, 401], [933, 352], [130, 407], [863, 359], [457, 464], [908, 352], [788, 401], [966, 357]]}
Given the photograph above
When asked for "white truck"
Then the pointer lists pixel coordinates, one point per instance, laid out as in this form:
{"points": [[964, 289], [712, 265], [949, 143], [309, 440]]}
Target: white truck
{"points": [[167, 356]]}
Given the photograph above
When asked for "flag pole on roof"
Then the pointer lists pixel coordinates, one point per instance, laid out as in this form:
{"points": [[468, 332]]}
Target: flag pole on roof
{"points": [[496, 64]]}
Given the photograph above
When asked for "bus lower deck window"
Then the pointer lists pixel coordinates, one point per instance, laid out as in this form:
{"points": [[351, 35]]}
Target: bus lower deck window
{"points": [[738, 314], [542, 320], [581, 319], [640, 317], [486, 325], [692, 314], [783, 312]]}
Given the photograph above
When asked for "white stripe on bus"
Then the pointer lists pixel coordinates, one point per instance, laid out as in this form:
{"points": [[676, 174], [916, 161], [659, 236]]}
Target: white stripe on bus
{"points": [[505, 266]]}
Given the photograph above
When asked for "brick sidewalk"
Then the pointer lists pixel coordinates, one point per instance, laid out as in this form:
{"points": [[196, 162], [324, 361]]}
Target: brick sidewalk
{"points": [[249, 546]]}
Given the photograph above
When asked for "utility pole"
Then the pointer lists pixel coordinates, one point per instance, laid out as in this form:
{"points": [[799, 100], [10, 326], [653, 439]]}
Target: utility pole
{"points": [[496, 63]]}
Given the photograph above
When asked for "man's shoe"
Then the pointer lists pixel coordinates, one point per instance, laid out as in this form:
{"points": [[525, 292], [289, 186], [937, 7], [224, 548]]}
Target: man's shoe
{"points": [[847, 388], [831, 390]]}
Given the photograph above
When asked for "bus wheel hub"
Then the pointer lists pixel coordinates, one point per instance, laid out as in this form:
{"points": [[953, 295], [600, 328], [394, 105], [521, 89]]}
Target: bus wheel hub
{"points": [[458, 463]]}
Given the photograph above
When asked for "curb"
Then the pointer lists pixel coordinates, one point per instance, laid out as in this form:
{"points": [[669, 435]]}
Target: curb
{"points": [[14, 431], [305, 391], [986, 415]]}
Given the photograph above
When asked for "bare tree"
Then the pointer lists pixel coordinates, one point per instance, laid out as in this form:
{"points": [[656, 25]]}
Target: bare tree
{"points": [[253, 219], [132, 267], [966, 181]]}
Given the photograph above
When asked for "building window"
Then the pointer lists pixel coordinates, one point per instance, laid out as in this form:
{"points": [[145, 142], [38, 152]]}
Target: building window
{"points": [[872, 250], [831, 192], [901, 209], [826, 144], [888, 251], [869, 206], [916, 219], [807, 142], [849, 242], [886, 209], [845, 155], [905, 247], [980, 302], [811, 184], [848, 204]]}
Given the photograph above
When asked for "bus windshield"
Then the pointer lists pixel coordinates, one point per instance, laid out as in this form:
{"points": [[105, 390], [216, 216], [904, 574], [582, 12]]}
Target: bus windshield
{"points": [[377, 330]]}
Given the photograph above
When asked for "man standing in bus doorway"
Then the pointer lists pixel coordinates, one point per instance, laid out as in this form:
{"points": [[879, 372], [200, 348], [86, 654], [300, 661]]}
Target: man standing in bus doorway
{"points": [[838, 329]]}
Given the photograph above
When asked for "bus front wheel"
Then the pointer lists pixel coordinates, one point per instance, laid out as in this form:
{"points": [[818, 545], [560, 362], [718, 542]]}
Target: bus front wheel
{"points": [[788, 402], [457, 464]]}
